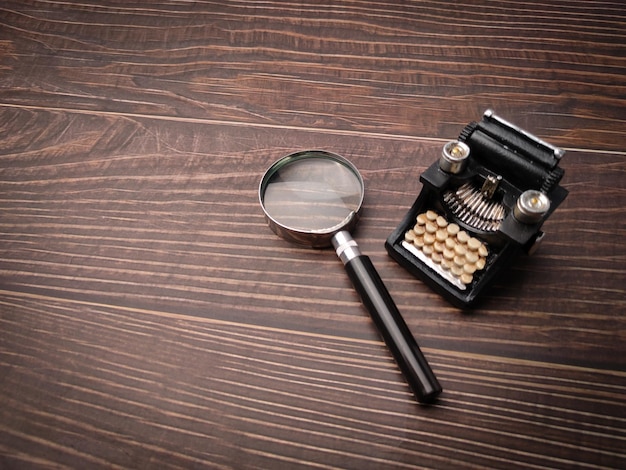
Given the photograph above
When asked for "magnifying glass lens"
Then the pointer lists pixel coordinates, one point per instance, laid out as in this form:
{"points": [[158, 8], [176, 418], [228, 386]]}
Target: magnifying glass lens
{"points": [[309, 196], [312, 194]]}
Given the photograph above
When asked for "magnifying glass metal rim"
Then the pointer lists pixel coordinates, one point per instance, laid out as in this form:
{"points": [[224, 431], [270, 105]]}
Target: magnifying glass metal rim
{"points": [[313, 238]]}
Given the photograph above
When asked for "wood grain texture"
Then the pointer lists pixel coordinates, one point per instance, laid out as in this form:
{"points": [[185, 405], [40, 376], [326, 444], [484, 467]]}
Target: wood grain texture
{"points": [[415, 69], [150, 319]]}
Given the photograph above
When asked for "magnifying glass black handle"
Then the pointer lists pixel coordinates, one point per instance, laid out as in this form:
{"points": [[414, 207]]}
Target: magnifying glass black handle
{"points": [[388, 319]]}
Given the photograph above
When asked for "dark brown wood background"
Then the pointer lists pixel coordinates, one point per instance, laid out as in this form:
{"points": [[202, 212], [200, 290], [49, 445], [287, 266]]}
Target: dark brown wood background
{"points": [[150, 319]]}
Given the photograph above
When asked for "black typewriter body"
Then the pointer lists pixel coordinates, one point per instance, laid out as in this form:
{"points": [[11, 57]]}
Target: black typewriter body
{"points": [[482, 203]]}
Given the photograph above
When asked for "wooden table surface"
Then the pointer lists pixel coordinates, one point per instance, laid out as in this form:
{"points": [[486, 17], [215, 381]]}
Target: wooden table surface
{"points": [[149, 317]]}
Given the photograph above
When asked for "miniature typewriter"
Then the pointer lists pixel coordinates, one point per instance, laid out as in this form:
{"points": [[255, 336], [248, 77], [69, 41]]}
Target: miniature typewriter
{"points": [[482, 204]]}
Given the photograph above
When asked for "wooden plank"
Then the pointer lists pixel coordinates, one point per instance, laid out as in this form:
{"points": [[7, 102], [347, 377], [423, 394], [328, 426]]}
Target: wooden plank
{"points": [[144, 220], [424, 69], [92, 383]]}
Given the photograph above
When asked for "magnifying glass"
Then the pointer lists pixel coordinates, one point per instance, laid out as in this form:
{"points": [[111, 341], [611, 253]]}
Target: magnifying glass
{"points": [[314, 198]]}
